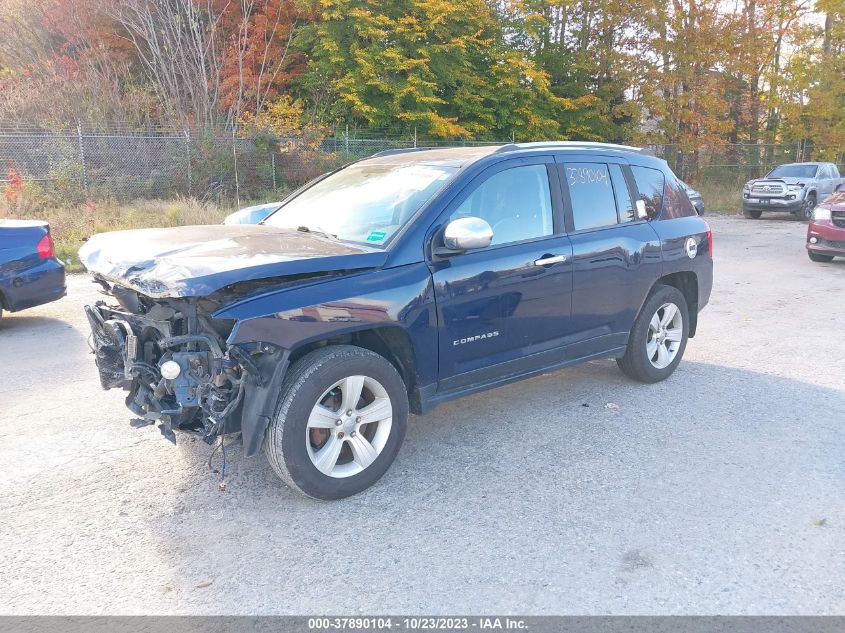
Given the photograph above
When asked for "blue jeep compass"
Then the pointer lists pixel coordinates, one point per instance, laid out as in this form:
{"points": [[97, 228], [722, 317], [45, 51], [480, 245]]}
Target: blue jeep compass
{"points": [[393, 284]]}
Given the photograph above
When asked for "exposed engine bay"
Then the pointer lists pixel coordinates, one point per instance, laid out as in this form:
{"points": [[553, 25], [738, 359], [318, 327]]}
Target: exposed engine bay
{"points": [[172, 358]]}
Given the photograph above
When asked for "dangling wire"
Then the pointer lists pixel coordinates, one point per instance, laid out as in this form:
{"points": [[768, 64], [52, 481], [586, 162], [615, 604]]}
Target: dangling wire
{"points": [[223, 466]]}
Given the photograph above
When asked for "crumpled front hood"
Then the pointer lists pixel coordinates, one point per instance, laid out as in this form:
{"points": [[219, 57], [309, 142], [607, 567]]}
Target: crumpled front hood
{"points": [[190, 261]]}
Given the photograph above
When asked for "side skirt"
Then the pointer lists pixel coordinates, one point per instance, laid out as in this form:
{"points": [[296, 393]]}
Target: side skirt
{"points": [[430, 397]]}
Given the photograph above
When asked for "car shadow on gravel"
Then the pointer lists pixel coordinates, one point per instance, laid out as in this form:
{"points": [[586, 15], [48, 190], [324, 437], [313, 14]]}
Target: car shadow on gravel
{"points": [[579, 458], [13, 323]]}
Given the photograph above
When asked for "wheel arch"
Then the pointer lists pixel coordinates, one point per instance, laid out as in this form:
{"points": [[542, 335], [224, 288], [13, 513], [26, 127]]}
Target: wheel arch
{"points": [[391, 342], [687, 282]]}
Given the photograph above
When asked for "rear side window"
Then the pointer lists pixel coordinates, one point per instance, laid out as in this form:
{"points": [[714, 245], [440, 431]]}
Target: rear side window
{"points": [[591, 195], [650, 185]]}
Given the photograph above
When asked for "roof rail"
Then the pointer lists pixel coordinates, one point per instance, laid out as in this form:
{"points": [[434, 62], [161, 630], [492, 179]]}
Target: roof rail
{"points": [[574, 145], [400, 150]]}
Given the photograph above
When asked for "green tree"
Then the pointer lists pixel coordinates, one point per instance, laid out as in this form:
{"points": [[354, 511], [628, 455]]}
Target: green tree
{"points": [[441, 67]]}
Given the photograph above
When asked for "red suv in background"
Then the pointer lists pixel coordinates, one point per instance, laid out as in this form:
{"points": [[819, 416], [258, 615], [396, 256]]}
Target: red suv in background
{"points": [[826, 232]]}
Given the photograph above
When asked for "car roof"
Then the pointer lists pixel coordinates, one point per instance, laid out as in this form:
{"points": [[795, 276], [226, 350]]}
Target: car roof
{"points": [[445, 156], [461, 156], [817, 164]]}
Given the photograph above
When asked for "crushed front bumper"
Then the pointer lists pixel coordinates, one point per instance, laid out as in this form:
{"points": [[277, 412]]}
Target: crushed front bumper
{"points": [[129, 350], [219, 389]]}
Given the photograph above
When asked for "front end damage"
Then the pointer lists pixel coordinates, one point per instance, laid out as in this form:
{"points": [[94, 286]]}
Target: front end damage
{"points": [[172, 357]]}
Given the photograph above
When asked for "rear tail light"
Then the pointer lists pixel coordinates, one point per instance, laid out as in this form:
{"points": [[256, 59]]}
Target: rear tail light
{"points": [[709, 241], [45, 247]]}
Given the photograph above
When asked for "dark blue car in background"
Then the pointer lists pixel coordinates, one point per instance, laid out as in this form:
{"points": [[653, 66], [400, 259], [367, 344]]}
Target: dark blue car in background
{"points": [[30, 274], [394, 284]]}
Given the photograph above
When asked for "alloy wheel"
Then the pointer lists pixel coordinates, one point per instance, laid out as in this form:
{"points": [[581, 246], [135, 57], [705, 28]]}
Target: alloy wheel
{"points": [[349, 426], [809, 206], [665, 333]]}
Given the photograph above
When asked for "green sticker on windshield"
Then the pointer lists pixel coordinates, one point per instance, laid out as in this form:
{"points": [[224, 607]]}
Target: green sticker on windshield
{"points": [[376, 236]]}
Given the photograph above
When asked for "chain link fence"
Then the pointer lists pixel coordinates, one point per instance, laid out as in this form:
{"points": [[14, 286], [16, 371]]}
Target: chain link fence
{"points": [[78, 164], [734, 164]]}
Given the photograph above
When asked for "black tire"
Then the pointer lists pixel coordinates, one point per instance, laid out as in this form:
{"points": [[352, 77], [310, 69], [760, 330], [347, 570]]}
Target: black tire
{"points": [[818, 257], [752, 214], [806, 212], [636, 363], [307, 380]]}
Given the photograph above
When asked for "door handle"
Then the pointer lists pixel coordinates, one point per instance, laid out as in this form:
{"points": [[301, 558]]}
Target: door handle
{"points": [[548, 261]]}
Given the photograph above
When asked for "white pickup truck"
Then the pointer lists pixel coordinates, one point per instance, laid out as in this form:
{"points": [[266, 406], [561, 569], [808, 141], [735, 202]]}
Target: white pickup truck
{"points": [[794, 188]]}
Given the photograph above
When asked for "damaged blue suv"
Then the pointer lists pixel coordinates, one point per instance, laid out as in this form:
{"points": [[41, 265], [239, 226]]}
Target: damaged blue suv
{"points": [[394, 284]]}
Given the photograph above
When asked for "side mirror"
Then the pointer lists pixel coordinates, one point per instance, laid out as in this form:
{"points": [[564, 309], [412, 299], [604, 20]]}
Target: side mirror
{"points": [[642, 212], [465, 234]]}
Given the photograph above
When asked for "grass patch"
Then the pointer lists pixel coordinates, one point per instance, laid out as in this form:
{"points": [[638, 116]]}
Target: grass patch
{"points": [[720, 197], [71, 225]]}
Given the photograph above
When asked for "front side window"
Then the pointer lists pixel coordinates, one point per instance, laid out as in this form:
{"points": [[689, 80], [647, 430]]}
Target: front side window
{"points": [[591, 195], [363, 202], [515, 202], [650, 184]]}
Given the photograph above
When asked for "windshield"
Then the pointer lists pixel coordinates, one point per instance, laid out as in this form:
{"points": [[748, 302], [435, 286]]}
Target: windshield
{"points": [[794, 171], [363, 203]]}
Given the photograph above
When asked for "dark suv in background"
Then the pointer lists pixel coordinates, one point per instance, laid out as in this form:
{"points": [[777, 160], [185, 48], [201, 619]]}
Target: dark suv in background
{"points": [[396, 283]]}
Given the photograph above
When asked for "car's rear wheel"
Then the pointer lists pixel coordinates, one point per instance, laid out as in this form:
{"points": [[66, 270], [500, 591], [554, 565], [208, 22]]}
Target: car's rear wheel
{"points": [[753, 214], [818, 257], [339, 423], [659, 336]]}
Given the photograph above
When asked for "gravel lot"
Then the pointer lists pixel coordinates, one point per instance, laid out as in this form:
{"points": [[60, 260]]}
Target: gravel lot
{"points": [[721, 490]]}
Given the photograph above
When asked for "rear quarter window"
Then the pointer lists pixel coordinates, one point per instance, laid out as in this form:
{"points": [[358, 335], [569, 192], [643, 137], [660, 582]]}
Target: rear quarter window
{"points": [[676, 202]]}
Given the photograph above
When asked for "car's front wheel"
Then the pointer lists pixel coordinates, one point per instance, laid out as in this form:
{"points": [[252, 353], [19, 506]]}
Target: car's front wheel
{"points": [[659, 336], [808, 208], [339, 423], [753, 214]]}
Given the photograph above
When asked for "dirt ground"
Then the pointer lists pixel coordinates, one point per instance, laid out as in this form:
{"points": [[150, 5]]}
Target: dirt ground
{"points": [[721, 490]]}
